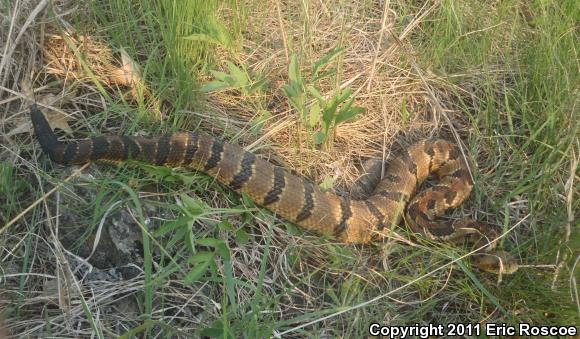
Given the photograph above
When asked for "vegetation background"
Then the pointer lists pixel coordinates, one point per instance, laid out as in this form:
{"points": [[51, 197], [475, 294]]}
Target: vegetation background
{"points": [[316, 86]]}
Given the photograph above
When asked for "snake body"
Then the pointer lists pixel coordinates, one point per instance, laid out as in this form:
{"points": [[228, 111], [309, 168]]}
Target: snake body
{"points": [[296, 199]]}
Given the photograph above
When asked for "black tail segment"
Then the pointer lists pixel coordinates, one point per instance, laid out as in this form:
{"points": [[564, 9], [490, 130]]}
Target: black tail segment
{"points": [[46, 137]]}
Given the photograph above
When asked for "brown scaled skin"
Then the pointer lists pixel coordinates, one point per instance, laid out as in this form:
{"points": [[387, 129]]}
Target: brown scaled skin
{"points": [[296, 199]]}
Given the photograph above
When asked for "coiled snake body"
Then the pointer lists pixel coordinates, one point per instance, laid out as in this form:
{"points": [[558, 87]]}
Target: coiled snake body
{"points": [[298, 200]]}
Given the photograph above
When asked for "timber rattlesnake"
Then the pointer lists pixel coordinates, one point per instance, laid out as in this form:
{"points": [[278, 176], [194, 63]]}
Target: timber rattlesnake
{"points": [[301, 202]]}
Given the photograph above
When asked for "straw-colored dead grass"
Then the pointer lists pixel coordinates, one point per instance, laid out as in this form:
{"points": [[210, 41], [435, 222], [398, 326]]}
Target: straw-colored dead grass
{"points": [[373, 65], [378, 64], [380, 76], [381, 81]]}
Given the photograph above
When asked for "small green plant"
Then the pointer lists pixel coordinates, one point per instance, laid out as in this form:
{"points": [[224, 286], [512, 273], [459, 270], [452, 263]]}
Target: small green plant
{"points": [[322, 115], [295, 90], [181, 230], [237, 78], [334, 111]]}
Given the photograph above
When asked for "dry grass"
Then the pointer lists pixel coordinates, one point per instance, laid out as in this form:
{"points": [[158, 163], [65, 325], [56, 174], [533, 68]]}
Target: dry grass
{"points": [[282, 282], [382, 81]]}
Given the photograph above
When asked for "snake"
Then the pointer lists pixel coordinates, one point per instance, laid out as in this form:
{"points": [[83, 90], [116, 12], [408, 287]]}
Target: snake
{"points": [[395, 197]]}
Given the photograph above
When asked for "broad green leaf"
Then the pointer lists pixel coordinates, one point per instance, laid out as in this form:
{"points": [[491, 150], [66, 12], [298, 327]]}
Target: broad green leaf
{"points": [[298, 101], [216, 330], [215, 85], [197, 272], [192, 206], [219, 32], [201, 257], [218, 244], [350, 114], [329, 113], [257, 86], [296, 95], [319, 138], [242, 237], [314, 114], [179, 235], [328, 57], [220, 75], [292, 229], [344, 95], [210, 242], [203, 260], [258, 123], [224, 251], [248, 202], [240, 77], [290, 90], [187, 178], [225, 225], [294, 71], [323, 75], [172, 226], [315, 93], [327, 183], [345, 107]]}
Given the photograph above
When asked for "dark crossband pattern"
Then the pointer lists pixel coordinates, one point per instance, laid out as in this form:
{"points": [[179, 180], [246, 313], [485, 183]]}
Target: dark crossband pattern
{"points": [[450, 195], [245, 172], [306, 210], [70, 153], [411, 165], [460, 173], [277, 188], [346, 213], [100, 148], [131, 147], [300, 200], [431, 204], [294, 198], [430, 151], [191, 149], [125, 148], [377, 214], [163, 148], [216, 154], [454, 153]]}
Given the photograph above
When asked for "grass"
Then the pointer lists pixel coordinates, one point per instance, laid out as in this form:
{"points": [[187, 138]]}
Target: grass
{"points": [[138, 250]]}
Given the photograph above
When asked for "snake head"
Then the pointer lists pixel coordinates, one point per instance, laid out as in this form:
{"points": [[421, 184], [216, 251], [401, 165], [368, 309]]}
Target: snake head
{"points": [[498, 262]]}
